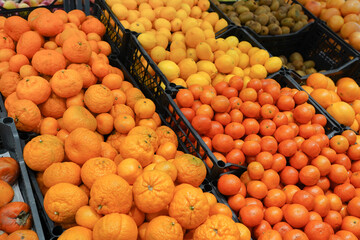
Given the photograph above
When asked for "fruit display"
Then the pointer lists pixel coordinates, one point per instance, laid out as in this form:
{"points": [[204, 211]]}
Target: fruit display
{"points": [[184, 127], [340, 15], [266, 17], [206, 61], [86, 114]]}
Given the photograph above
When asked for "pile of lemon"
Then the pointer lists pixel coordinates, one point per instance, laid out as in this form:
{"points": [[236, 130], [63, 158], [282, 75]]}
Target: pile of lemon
{"points": [[179, 35]]}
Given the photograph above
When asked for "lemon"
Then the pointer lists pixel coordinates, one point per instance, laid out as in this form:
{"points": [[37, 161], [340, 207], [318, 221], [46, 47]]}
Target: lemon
{"points": [[342, 112], [273, 64], [232, 41], [225, 63], [120, 11], [147, 40], [197, 78], [169, 69], [258, 71]]}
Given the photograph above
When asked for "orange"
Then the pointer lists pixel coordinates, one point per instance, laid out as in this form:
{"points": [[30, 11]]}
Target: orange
{"points": [[81, 145], [224, 226], [190, 169], [95, 168], [48, 62], [86, 216], [34, 88], [7, 193], [167, 167], [78, 116], [21, 234], [78, 232], [129, 169], [189, 207], [42, 151], [317, 80], [164, 227], [64, 172], [109, 194], [62, 201], [29, 43], [342, 112], [115, 226], [153, 191], [98, 98], [149, 133], [138, 147]]}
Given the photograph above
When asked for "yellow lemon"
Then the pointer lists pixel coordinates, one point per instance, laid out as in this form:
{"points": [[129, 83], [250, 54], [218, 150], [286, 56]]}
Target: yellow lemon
{"points": [[120, 11], [342, 112], [169, 69], [203, 51], [258, 71], [197, 79], [274, 64], [259, 57], [147, 40], [225, 63], [244, 46], [208, 67], [232, 41], [158, 54], [187, 67]]}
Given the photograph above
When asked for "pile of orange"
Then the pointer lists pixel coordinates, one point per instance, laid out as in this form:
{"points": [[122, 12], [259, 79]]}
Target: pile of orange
{"points": [[106, 166], [340, 99], [340, 15]]}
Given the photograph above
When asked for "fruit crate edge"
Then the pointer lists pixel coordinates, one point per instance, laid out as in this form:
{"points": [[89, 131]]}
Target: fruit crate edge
{"points": [[10, 142]]}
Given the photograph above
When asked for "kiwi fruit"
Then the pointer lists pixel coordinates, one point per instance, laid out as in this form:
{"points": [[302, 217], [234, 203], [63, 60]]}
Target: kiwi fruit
{"points": [[294, 14], [263, 19], [251, 4], [230, 8], [309, 64], [295, 56], [260, 10], [298, 64], [274, 29], [275, 5], [264, 30], [255, 26], [241, 9], [297, 26], [290, 66], [285, 30], [265, 2], [310, 71], [236, 20], [246, 16], [288, 22], [283, 59]]}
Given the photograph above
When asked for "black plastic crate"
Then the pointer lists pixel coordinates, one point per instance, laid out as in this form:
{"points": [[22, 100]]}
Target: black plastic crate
{"points": [[10, 144], [349, 70], [332, 127], [315, 42], [2, 107]]}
